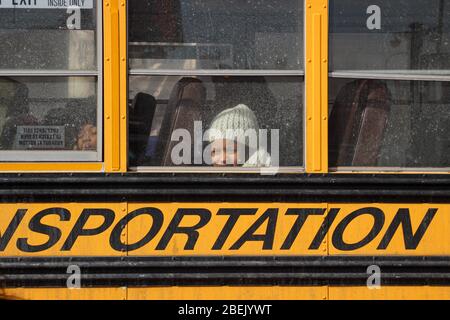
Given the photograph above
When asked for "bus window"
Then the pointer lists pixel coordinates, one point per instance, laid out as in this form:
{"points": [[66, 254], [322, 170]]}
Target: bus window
{"points": [[38, 115], [199, 104], [50, 80], [43, 37], [227, 34], [216, 83], [389, 96]]}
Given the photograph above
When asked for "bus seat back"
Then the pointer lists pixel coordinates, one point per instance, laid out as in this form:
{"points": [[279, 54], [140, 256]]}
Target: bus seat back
{"points": [[358, 122], [185, 107]]}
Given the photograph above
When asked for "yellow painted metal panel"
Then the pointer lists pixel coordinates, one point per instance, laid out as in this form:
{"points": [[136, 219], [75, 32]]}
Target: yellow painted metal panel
{"points": [[123, 46], [228, 293], [51, 167], [377, 224], [233, 293], [324, 85], [316, 86], [111, 85], [141, 223], [390, 293], [65, 294], [317, 95], [52, 215], [159, 229], [210, 233]]}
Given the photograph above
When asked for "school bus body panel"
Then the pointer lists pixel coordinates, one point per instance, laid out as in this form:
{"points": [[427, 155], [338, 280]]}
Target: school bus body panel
{"points": [[142, 244], [65, 294], [63, 217], [224, 229], [175, 293], [234, 293], [316, 79], [387, 217], [390, 293], [334, 222]]}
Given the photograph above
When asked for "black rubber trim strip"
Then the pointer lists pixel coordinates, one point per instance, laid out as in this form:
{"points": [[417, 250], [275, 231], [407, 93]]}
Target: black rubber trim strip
{"points": [[225, 271], [138, 187]]}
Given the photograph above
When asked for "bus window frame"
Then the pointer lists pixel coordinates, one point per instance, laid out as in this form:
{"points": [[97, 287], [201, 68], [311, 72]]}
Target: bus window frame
{"points": [[301, 74]]}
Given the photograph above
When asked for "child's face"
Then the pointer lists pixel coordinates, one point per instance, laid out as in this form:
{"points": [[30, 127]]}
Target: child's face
{"points": [[224, 153], [87, 138]]}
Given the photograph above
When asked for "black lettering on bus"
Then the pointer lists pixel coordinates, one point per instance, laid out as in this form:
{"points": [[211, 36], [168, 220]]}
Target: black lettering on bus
{"points": [[53, 233], [78, 230], [338, 235], [268, 237], [157, 222], [324, 228], [191, 232], [403, 218], [11, 229], [234, 214], [303, 215], [23, 2]]}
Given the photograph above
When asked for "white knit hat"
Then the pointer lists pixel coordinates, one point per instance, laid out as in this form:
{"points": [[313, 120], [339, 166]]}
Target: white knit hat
{"points": [[230, 122]]}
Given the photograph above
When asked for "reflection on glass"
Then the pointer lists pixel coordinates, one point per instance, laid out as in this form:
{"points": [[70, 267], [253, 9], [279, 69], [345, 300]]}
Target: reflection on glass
{"points": [[168, 110], [377, 123], [41, 114], [409, 35], [40, 39], [213, 34]]}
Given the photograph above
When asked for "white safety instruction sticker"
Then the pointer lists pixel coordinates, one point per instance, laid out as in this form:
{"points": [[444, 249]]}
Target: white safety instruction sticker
{"points": [[39, 138], [46, 4]]}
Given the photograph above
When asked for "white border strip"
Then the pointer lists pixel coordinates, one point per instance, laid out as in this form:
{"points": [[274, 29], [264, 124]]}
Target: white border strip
{"points": [[46, 4]]}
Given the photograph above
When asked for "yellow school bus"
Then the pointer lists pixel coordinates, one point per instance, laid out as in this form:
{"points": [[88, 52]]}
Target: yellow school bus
{"points": [[225, 149]]}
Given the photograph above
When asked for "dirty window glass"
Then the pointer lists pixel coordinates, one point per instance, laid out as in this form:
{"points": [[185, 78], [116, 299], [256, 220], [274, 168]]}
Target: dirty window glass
{"points": [[173, 118], [213, 34], [47, 114], [390, 35], [216, 83], [41, 34], [50, 81], [386, 123], [389, 84]]}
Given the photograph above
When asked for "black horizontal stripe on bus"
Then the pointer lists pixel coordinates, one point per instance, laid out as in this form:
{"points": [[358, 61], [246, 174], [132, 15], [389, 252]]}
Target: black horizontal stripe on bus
{"points": [[341, 188], [221, 271]]}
